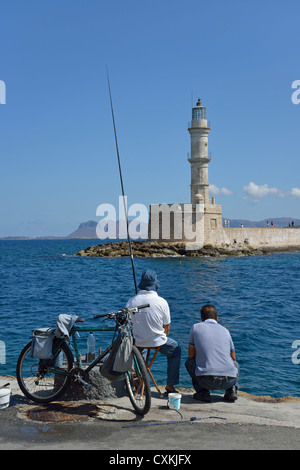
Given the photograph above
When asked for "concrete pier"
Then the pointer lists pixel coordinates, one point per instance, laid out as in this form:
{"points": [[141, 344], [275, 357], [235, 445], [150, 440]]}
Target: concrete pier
{"points": [[110, 424]]}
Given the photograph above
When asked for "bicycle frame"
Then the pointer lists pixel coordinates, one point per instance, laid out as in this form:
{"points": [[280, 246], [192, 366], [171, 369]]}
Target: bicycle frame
{"points": [[97, 359], [37, 379]]}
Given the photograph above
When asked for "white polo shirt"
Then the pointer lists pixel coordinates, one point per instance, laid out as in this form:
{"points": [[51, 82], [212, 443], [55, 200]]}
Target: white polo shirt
{"points": [[148, 323]]}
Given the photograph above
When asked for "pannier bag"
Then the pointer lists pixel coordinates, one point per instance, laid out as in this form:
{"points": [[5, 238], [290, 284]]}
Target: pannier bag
{"points": [[123, 357], [107, 369], [120, 358], [42, 342]]}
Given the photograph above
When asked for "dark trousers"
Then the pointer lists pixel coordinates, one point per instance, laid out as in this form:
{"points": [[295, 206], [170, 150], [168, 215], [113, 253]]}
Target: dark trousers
{"points": [[203, 383], [172, 351]]}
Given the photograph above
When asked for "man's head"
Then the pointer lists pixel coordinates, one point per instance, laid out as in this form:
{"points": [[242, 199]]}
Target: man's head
{"points": [[209, 312], [149, 280]]}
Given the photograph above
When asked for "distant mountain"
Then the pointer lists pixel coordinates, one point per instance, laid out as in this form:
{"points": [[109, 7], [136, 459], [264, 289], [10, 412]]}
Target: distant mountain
{"points": [[88, 230], [280, 222], [85, 230]]}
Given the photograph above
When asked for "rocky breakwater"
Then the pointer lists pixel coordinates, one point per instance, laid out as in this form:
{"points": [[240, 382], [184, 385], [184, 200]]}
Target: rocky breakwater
{"points": [[146, 249]]}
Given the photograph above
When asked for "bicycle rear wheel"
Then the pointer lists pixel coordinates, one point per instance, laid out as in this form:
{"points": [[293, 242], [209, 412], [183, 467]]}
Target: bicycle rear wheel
{"points": [[138, 384], [43, 381]]}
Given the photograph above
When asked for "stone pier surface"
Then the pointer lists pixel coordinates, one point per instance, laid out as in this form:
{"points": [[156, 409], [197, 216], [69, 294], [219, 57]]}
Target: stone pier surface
{"points": [[153, 249], [109, 423]]}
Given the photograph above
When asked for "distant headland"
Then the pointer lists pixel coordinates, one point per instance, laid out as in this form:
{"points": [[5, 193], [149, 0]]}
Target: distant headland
{"points": [[88, 229]]}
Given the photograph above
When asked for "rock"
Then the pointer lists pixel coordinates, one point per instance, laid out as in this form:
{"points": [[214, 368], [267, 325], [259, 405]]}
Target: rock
{"points": [[101, 388], [147, 249]]}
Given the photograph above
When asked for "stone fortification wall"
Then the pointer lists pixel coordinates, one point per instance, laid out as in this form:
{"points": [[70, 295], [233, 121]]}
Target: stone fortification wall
{"points": [[258, 237], [214, 233], [169, 222], [176, 222]]}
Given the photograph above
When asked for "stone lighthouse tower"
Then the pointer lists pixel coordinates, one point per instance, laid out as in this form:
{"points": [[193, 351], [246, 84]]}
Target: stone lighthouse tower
{"points": [[199, 157], [201, 216]]}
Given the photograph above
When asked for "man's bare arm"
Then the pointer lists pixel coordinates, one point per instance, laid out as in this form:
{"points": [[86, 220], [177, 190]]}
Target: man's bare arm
{"points": [[192, 351], [167, 329]]}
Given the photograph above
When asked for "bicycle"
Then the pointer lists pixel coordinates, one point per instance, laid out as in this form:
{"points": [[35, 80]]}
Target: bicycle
{"points": [[44, 381]]}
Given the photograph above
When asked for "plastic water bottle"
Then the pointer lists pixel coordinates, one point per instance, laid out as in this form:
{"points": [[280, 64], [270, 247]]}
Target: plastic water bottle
{"points": [[90, 347]]}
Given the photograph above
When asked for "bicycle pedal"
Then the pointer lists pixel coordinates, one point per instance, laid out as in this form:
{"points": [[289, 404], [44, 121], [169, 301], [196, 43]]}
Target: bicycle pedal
{"points": [[86, 385]]}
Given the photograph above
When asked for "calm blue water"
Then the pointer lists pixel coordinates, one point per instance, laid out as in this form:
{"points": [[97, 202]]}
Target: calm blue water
{"points": [[258, 299]]}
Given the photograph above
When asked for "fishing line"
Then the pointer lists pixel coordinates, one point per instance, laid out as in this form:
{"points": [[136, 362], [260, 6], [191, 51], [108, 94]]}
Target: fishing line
{"points": [[155, 424], [121, 179], [172, 422]]}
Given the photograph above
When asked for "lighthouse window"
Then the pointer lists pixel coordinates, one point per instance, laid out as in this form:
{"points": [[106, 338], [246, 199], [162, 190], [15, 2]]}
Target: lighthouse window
{"points": [[213, 223], [198, 113]]}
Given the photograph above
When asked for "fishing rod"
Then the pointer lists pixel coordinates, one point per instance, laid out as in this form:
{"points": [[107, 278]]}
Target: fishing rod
{"points": [[121, 179]]}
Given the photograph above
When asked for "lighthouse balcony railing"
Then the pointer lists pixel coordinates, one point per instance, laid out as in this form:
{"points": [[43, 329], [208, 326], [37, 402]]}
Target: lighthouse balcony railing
{"points": [[199, 123], [189, 156]]}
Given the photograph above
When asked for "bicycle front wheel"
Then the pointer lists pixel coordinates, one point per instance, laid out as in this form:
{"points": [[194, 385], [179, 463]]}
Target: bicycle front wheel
{"points": [[43, 381], [138, 384]]}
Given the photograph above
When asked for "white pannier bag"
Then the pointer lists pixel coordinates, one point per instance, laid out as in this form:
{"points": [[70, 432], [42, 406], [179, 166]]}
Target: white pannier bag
{"points": [[42, 342]]}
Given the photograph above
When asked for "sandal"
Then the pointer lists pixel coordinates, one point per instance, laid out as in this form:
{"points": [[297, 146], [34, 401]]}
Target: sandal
{"points": [[170, 390]]}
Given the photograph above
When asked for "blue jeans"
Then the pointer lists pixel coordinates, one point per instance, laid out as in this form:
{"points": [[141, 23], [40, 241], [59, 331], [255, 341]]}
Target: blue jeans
{"points": [[172, 350], [203, 383]]}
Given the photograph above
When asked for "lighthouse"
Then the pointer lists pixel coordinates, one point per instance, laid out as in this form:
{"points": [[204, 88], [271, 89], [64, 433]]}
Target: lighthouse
{"points": [[201, 215], [199, 157]]}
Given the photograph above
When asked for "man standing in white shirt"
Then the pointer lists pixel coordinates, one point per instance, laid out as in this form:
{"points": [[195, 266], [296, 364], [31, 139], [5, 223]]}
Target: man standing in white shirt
{"points": [[151, 326]]}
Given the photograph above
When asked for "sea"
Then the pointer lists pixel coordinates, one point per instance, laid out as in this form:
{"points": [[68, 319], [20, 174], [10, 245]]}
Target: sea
{"points": [[257, 298]]}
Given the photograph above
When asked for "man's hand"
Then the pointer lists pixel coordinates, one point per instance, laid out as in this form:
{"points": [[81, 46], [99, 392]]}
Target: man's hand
{"points": [[79, 320]]}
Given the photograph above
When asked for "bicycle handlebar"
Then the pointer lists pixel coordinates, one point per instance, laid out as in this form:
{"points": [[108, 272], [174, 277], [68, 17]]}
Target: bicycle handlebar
{"points": [[141, 306], [131, 310]]}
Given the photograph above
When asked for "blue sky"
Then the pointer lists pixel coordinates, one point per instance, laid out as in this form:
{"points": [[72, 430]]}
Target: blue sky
{"points": [[57, 151]]}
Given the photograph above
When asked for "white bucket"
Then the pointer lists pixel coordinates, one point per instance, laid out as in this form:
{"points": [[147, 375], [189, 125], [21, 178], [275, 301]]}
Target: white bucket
{"points": [[174, 401], [4, 398]]}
